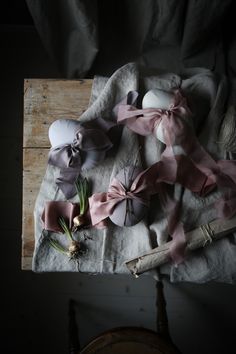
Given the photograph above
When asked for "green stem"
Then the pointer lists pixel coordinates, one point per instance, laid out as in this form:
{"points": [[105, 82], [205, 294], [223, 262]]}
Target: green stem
{"points": [[65, 228], [57, 246], [82, 189]]}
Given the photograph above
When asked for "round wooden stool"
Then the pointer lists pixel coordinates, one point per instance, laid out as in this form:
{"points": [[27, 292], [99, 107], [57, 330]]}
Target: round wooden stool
{"points": [[129, 340]]}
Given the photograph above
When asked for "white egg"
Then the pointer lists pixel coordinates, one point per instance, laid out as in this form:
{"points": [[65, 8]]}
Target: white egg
{"points": [[158, 99], [62, 131]]}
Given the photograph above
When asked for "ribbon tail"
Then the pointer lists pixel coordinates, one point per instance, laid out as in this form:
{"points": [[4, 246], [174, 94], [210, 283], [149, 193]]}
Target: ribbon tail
{"points": [[66, 182], [178, 247], [226, 206], [101, 207], [172, 209], [130, 99], [174, 169]]}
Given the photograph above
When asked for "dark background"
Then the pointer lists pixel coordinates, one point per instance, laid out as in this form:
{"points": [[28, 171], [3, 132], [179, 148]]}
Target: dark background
{"points": [[34, 307]]}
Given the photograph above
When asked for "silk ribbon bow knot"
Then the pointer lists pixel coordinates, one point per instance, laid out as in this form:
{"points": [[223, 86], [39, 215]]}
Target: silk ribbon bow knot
{"points": [[119, 191], [88, 148], [103, 204], [67, 155]]}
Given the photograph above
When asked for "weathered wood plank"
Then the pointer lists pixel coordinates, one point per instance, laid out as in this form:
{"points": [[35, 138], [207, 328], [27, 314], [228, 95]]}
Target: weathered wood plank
{"points": [[34, 165], [48, 100], [44, 102]]}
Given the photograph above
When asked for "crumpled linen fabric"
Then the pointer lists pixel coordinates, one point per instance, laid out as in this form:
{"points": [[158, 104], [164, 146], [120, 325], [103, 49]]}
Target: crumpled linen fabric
{"points": [[206, 94]]}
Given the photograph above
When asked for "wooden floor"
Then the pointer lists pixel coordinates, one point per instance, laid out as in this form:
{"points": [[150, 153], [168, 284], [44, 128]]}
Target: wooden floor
{"points": [[44, 102]]}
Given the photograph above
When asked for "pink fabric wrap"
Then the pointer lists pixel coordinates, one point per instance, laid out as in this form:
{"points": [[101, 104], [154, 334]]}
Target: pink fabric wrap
{"points": [[169, 170], [54, 210]]}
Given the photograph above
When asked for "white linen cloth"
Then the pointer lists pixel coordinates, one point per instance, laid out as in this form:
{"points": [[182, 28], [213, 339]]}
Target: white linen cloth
{"points": [[108, 249]]}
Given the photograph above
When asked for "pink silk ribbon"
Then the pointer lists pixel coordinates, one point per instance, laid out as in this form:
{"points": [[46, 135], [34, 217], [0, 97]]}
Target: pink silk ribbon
{"points": [[53, 210], [178, 132], [169, 170], [145, 121], [102, 204]]}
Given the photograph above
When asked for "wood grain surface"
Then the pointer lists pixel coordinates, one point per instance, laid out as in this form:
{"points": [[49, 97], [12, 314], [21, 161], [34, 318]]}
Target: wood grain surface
{"points": [[45, 100]]}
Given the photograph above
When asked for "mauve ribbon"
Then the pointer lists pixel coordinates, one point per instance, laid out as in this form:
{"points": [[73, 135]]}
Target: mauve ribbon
{"points": [[145, 121], [102, 204], [169, 170], [223, 172], [178, 132], [69, 157], [53, 210]]}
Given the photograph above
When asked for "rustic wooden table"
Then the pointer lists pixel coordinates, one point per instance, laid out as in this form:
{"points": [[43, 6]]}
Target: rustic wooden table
{"points": [[44, 101]]}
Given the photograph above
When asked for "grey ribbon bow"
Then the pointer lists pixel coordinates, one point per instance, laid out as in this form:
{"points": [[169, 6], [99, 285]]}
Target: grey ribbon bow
{"points": [[87, 149]]}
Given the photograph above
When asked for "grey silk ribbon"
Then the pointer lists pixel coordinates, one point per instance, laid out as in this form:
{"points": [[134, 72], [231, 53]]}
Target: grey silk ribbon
{"points": [[88, 149]]}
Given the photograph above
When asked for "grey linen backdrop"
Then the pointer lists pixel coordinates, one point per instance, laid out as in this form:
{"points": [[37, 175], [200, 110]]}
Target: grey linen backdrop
{"points": [[86, 37], [109, 249]]}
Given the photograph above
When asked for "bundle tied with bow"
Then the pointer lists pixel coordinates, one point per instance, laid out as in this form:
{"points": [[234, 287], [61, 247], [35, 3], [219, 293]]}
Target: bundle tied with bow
{"points": [[83, 148]]}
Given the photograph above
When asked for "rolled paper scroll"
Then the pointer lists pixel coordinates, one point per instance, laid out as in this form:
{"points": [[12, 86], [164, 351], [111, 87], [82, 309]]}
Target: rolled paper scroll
{"points": [[75, 148], [196, 238]]}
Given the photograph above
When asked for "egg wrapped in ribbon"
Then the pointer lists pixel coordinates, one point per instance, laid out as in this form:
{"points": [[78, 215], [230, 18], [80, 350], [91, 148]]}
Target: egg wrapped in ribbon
{"points": [[162, 100], [125, 203], [91, 144], [132, 209], [171, 104], [74, 149]]}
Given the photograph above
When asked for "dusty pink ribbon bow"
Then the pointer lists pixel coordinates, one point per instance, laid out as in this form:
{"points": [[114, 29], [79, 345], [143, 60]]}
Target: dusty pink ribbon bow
{"points": [[103, 204], [145, 121]]}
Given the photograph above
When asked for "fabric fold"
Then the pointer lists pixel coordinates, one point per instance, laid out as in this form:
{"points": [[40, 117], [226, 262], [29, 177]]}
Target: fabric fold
{"points": [[53, 210]]}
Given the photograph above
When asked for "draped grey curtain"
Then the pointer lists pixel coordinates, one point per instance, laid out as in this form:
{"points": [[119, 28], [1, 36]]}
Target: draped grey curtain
{"points": [[84, 37]]}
